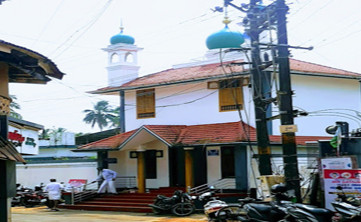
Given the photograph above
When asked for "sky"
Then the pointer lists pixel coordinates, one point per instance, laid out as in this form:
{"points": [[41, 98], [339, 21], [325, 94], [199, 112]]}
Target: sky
{"points": [[72, 33]]}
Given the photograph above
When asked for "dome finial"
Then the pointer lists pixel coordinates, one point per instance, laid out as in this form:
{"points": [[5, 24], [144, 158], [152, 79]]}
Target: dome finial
{"points": [[121, 26], [226, 20]]}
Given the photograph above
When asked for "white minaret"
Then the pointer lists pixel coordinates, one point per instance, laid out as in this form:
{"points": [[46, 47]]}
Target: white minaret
{"points": [[122, 59]]}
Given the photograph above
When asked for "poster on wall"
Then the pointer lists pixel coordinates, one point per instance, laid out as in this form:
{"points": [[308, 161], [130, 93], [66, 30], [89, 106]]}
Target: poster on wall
{"points": [[348, 179], [337, 163]]}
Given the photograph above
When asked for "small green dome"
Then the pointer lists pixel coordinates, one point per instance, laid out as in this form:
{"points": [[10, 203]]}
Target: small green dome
{"points": [[225, 38], [121, 38]]}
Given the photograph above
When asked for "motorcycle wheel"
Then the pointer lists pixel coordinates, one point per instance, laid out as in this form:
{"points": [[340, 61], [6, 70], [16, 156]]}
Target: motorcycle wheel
{"points": [[183, 209], [157, 210]]}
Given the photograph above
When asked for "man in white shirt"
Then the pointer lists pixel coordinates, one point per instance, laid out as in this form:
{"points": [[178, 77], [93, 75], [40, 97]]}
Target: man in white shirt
{"points": [[108, 177], [54, 193]]}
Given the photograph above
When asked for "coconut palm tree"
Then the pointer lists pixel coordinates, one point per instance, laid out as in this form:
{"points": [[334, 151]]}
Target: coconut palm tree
{"points": [[114, 121], [101, 115], [57, 134], [14, 106]]}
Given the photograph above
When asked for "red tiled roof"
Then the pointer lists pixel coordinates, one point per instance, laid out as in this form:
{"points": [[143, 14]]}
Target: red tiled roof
{"points": [[301, 66], [169, 133], [181, 74], [215, 70], [218, 133], [107, 143], [300, 140]]}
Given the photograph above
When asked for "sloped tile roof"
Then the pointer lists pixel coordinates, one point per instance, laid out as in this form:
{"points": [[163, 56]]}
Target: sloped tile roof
{"points": [[194, 73], [205, 134], [217, 133], [169, 133], [108, 143], [215, 70], [300, 140], [301, 66]]}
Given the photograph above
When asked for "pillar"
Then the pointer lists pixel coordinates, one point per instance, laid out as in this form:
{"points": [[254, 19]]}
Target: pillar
{"points": [[189, 179], [7, 167], [141, 170]]}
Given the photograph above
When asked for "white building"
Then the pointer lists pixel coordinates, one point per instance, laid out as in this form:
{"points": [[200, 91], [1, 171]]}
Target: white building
{"points": [[194, 124]]}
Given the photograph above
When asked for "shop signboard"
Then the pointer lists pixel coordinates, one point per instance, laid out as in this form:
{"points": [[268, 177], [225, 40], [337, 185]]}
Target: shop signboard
{"points": [[26, 141]]}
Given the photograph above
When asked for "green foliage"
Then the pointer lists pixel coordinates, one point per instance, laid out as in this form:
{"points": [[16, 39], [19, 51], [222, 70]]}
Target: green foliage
{"points": [[102, 115], [13, 107]]}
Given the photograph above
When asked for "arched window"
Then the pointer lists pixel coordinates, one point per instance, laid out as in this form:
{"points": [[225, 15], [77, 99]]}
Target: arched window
{"points": [[129, 57], [114, 58]]}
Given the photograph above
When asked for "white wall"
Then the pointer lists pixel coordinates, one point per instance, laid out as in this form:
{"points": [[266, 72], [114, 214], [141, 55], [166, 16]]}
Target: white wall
{"points": [[127, 166], [31, 175], [214, 165], [319, 93], [172, 110], [311, 94]]}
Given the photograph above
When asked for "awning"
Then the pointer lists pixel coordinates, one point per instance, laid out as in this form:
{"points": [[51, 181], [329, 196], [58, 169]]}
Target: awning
{"points": [[9, 152]]}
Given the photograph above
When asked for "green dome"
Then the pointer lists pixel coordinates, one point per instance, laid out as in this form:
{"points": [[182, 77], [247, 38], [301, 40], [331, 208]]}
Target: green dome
{"points": [[225, 38], [121, 38]]}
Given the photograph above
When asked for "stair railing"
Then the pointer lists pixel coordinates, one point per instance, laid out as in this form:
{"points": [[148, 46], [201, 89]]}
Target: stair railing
{"points": [[83, 192], [218, 186], [89, 190]]}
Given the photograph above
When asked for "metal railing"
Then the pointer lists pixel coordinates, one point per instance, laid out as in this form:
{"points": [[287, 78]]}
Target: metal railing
{"points": [[218, 185], [126, 182], [89, 190], [83, 192]]}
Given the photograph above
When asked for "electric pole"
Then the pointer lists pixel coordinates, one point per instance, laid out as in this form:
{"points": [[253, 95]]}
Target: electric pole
{"points": [[257, 75], [257, 24], [285, 103]]}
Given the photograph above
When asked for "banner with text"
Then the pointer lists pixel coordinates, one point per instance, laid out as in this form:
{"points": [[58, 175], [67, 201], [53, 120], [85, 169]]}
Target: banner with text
{"points": [[348, 179]]}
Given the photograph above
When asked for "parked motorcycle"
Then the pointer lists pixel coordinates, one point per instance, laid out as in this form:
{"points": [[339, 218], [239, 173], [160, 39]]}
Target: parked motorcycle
{"points": [[180, 204], [348, 207], [29, 197], [281, 209]]}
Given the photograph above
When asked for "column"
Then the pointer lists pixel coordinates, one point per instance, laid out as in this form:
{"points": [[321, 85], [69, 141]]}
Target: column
{"points": [[141, 169], [189, 180], [7, 167]]}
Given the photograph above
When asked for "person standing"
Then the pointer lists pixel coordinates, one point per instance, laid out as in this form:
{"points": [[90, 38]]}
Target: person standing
{"points": [[54, 192], [108, 177]]}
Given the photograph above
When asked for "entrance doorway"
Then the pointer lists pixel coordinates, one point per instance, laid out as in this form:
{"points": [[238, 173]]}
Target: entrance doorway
{"points": [[227, 162]]}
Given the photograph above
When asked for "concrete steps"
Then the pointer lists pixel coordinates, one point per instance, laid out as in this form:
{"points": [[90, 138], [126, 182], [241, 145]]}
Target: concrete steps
{"points": [[125, 202], [134, 202]]}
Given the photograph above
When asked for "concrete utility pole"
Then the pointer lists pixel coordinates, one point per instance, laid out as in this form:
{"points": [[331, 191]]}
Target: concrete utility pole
{"points": [[258, 76], [264, 150], [285, 103]]}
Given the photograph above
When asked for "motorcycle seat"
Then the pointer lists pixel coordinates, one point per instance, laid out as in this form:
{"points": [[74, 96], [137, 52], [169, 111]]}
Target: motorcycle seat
{"points": [[162, 197], [313, 209], [263, 208]]}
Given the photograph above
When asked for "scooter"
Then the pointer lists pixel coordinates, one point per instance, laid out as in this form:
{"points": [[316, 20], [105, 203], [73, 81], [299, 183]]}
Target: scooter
{"points": [[281, 209], [180, 204], [213, 204]]}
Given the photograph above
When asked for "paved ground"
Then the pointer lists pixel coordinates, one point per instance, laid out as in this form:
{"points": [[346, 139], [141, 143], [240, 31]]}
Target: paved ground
{"points": [[42, 214]]}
